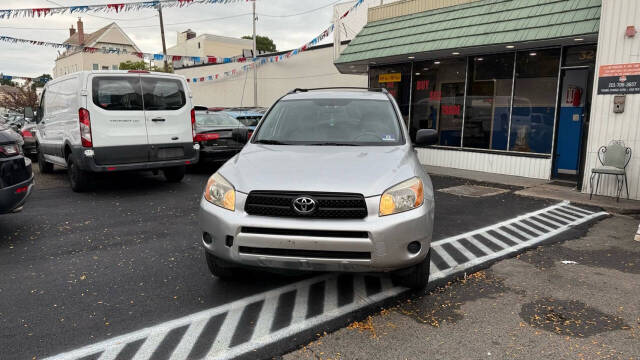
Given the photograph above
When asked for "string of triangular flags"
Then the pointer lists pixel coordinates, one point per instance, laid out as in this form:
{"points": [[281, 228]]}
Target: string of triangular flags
{"points": [[113, 7], [259, 61], [209, 59]]}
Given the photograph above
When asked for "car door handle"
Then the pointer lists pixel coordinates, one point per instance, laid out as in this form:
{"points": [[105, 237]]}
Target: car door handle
{"points": [[157, 119]]}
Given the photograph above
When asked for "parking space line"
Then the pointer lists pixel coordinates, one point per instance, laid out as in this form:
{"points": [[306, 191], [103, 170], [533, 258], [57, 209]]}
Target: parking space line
{"points": [[481, 246]]}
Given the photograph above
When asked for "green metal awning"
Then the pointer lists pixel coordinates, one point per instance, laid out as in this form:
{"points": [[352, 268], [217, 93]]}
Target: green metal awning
{"points": [[474, 26]]}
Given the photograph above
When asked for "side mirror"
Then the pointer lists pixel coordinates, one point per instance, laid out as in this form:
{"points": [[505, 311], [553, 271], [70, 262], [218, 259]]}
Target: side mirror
{"points": [[426, 137], [240, 135], [28, 112]]}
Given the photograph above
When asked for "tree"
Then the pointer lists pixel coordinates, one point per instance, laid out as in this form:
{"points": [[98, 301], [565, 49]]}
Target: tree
{"points": [[143, 65], [263, 43], [41, 80], [19, 97], [130, 65]]}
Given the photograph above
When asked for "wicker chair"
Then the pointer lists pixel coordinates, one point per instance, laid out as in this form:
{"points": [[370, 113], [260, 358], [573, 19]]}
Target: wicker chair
{"points": [[614, 159]]}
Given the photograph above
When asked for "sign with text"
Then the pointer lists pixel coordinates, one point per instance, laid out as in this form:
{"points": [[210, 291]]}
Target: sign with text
{"points": [[619, 79], [394, 77]]}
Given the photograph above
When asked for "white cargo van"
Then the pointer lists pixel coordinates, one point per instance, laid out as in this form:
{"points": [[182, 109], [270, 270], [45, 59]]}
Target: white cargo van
{"points": [[102, 121]]}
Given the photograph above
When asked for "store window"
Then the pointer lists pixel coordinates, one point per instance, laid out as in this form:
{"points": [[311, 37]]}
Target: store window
{"points": [[583, 55], [96, 67], [488, 102], [397, 80], [438, 99], [534, 101]]}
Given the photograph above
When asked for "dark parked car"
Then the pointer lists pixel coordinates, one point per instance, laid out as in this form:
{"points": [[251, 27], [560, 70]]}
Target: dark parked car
{"points": [[249, 117], [16, 178], [28, 132], [220, 135]]}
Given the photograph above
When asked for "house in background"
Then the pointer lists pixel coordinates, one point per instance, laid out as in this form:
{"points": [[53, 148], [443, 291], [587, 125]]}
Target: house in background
{"points": [[113, 44], [189, 44]]}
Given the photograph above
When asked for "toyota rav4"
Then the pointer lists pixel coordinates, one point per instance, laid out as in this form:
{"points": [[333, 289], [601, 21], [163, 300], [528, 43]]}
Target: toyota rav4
{"points": [[328, 182]]}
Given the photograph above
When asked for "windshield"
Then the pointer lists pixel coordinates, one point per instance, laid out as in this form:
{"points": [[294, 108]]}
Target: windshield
{"points": [[216, 119], [331, 122]]}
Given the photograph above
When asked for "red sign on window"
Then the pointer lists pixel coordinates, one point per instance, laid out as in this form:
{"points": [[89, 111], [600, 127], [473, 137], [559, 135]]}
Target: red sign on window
{"points": [[435, 95], [422, 85], [450, 109]]}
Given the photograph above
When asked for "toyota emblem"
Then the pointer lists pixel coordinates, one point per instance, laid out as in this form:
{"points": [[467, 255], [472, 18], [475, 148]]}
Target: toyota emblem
{"points": [[304, 205]]}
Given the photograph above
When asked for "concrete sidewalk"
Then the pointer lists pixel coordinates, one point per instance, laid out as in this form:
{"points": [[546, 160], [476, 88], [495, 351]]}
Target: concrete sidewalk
{"points": [[538, 188], [572, 300]]}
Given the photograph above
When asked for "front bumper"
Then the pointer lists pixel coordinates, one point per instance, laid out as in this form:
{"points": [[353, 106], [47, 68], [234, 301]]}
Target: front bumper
{"points": [[385, 239], [11, 199]]}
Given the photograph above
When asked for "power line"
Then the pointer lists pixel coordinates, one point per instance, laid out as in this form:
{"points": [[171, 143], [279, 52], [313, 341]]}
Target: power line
{"points": [[177, 23]]}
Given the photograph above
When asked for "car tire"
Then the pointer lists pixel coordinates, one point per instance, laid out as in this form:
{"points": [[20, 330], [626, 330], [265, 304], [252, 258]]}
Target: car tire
{"points": [[174, 174], [44, 166], [218, 270], [79, 179], [415, 277]]}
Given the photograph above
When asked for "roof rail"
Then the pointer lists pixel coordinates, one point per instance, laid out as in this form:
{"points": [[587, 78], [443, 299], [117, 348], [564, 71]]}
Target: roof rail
{"points": [[297, 90]]}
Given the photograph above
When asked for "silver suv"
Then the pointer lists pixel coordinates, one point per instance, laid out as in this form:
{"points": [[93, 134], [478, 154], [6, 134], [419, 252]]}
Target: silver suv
{"points": [[328, 182]]}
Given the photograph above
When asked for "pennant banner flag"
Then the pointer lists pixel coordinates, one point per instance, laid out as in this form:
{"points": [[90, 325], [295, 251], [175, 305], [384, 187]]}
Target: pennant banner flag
{"points": [[158, 57], [259, 61], [115, 8]]}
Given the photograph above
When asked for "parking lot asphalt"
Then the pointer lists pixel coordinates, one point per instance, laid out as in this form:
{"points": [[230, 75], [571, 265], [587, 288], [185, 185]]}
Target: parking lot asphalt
{"points": [[81, 268]]}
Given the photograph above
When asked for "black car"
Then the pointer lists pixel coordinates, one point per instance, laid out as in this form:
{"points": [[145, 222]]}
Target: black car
{"points": [[220, 135], [16, 178]]}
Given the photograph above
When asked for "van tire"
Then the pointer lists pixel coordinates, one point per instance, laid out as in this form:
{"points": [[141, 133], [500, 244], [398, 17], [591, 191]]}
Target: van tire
{"points": [[78, 178], [219, 271], [174, 174], [44, 166], [417, 276]]}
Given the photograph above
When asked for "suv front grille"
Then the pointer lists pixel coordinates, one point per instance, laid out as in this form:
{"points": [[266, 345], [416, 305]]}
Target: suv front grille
{"points": [[328, 205]]}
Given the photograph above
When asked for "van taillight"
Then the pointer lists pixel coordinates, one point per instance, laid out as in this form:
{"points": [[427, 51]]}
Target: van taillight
{"points": [[193, 124], [85, 127]]}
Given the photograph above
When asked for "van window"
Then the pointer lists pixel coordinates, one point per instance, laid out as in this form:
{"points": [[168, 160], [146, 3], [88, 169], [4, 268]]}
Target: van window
{"points": [[117, 93], [163, 94]]}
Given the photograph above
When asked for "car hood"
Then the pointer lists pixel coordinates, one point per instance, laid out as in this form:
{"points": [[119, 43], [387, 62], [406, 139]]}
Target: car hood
{"points": [[366, 170]]}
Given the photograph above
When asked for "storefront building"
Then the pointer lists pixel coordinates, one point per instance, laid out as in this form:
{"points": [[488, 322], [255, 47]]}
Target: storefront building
{"points": [[508, 84]]}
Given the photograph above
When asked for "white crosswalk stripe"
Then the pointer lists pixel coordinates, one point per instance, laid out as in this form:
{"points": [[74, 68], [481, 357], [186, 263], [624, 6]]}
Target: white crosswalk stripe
{"points": [[150, 339]]}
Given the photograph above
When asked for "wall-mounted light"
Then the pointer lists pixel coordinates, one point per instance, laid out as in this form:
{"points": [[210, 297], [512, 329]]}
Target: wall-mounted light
{"points": [[578, 39], [510, 46], [455, 53], [411, 57], [417, 74], [479, 59], [533, 54], [437, 62]]}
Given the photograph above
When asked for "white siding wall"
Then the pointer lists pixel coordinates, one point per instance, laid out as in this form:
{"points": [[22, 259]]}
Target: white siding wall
{"points": [[307, 70], [492, 163], [615, 48]]}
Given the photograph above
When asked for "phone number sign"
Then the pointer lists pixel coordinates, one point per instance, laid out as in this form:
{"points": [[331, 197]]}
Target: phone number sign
{"points": [[619, 79]]}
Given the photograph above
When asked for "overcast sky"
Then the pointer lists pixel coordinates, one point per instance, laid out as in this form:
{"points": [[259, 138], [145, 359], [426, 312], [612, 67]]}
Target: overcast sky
{"points": [[142, 26]]}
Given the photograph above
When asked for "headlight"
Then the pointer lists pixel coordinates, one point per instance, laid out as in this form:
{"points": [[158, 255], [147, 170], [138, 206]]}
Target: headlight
{"points": [[220, 192], [403, 197]]}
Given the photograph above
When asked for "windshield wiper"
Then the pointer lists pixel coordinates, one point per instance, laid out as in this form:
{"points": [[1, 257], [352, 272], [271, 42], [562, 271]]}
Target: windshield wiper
{"points": [[332, 144], [270, 142]]}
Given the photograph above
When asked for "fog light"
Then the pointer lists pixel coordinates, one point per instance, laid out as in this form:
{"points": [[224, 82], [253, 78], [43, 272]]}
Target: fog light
{"points": [[414, 247], [206, 237]]}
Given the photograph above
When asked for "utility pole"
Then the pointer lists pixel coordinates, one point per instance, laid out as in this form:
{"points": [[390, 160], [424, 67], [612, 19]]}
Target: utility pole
{"points": [[255, 54], [164, 44]]}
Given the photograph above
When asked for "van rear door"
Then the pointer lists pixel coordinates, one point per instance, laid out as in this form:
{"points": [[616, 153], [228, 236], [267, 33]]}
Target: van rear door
{"points": [[168, 118], [118, 124]]}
